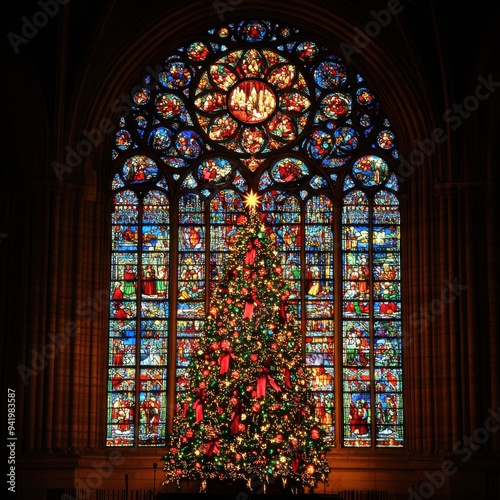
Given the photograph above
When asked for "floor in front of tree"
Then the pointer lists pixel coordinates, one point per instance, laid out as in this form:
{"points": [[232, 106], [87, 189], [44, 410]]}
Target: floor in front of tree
{"points": [[239, 490], [245, 495]]}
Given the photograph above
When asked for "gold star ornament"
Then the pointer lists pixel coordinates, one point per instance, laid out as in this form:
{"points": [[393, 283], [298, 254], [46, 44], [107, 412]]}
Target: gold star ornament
{"points": [[251, 200]]}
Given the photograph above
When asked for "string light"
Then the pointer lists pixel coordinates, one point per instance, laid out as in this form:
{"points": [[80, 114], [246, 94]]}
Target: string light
{"points": [[246, 372]]}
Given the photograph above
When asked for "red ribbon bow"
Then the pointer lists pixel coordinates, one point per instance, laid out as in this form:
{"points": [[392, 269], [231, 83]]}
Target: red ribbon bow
{"points": [[213, 447], [224, 360], [262, 383], [198, 404]]}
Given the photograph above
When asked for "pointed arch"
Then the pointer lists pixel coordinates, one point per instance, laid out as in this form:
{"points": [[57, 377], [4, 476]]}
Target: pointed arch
{"points": [[258, 105]]}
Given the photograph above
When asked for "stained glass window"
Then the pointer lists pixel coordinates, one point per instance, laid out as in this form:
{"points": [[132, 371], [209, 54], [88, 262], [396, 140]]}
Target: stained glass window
{"points": [[259, 106]]}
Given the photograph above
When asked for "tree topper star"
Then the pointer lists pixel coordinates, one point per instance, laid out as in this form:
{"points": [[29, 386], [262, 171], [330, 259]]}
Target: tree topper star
{"points": [[251, 200]]}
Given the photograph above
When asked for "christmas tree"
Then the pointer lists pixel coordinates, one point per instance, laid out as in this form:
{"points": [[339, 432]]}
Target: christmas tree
{"points": [[248, 412]]}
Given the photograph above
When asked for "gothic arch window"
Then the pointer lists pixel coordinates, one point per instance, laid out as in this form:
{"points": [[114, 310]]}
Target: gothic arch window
{"points": [[256, 106]]}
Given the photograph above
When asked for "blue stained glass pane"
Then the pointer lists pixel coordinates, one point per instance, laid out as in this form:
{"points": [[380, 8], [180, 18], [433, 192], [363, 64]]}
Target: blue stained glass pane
{"points": [[160, 138], [265, 181], [330, 74], [348, 183], [176, 74], [346, 138], [392, 182]]}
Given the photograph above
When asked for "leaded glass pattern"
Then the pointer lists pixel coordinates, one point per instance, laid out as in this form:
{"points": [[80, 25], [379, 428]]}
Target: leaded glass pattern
{"points": [[191, 280], [139, 318], [371, 317], [256, 105], [319, 286]]}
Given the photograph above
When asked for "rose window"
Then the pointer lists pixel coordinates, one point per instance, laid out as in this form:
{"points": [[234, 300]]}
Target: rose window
{"points": [[252, 101]]}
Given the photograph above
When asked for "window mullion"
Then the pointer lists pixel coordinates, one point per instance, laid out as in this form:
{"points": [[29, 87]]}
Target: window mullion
{"points": [[337, 259], [371, 321], [138, 322], [173, 298]]}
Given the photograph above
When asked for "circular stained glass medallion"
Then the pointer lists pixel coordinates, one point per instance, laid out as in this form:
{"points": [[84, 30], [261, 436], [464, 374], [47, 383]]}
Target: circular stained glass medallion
{"points": [[370, 170]]}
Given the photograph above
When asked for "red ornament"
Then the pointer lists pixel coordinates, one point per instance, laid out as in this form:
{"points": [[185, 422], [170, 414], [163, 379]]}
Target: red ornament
{"points": [[256, 407], [310, 469], [235, 374], [315, 433], [254, 357]]}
